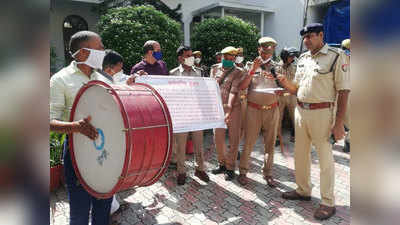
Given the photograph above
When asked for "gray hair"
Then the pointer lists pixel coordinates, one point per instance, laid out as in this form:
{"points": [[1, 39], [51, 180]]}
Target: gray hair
{"points": [[148, 46]]}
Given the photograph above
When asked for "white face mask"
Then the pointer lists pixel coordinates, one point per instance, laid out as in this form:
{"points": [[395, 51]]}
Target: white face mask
{"points": [[189, 61], [239, 59], [95, 58], [116, 73], [197, 60]]}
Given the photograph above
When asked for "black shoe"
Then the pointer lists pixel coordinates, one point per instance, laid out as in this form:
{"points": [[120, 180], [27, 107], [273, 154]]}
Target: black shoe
{"points": [[220, 169], [346, 146], [172, 165], [229, 175], [277, 142]]}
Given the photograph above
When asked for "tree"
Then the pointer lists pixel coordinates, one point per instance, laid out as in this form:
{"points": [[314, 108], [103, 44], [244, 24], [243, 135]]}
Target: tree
{"points": [[212, 35], [159, 5], [126, 29]]}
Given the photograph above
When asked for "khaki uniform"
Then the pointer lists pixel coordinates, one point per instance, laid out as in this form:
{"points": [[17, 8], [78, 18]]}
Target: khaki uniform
{"points": [[179, 145], [229, 85], [243, 103], [260, 119], [319, 78], [287, 100]]}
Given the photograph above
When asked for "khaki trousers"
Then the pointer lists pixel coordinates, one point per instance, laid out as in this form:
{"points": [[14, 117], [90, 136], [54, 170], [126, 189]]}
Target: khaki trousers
{"points": [[314, 127], [286, 101], [256, 119], [228, 157], [180, 140]]}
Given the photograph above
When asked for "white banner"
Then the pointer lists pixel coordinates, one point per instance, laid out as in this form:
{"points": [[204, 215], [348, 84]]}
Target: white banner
{"points": [[193, 102]]}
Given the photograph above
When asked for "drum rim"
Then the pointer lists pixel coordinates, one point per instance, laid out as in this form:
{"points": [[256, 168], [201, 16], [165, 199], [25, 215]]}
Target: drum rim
{"points": [[127, 152]]}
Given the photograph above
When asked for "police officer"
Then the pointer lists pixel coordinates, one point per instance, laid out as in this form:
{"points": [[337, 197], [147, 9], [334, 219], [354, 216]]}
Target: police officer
{"points": [[187, 68], [197, 63], [218, 58], [228, 77], [346, 48], [287, 100], [262, 109], [239, 62], [321, 76]]}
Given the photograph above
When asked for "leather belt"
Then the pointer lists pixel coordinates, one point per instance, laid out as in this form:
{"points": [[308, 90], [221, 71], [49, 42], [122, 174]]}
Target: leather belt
{"points": [[311, 106], [263, 107]]}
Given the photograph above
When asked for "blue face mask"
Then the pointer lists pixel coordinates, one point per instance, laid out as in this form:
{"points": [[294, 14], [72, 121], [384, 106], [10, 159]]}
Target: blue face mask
{"points": [[347, 52], [157, 55]]}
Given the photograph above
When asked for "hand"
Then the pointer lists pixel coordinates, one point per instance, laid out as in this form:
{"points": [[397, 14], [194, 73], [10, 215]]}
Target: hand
{"points": [[256, 63], [84, 127], [227, 117], [281, 78], [141, 72], [338, 131], [131, 80]]}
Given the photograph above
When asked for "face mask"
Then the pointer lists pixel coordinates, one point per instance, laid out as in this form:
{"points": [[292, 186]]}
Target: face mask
{"points": [[347, 52], [157, 55], [239, 59], [197, 60], [227, 63], [189, 61], [116, 73], [95, 58]]}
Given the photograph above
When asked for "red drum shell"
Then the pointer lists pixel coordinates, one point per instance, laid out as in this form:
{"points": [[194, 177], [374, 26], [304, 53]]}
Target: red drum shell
{"points": [[148, 134]]}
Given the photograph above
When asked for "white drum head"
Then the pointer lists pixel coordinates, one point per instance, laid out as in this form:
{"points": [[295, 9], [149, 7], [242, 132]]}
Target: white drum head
{"points": [[100, 163]]}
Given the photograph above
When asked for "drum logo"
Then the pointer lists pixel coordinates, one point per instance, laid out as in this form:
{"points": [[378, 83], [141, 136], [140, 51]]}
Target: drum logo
{"points": [[103, 155]]}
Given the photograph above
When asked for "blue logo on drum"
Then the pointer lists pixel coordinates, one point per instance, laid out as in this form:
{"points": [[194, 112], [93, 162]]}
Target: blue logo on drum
{"points": [[100, 147], [101, 134]]}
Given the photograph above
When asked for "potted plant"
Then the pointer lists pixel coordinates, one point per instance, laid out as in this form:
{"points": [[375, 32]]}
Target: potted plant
{"points": [[56, 167]]}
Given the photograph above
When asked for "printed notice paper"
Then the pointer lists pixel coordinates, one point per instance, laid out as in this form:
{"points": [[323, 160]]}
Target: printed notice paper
{"points": [[193, 102]]}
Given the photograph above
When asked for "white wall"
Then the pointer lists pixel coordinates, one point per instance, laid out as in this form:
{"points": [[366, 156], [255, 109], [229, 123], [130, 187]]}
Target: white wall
{"points": [[59, 11], [285, 24]]}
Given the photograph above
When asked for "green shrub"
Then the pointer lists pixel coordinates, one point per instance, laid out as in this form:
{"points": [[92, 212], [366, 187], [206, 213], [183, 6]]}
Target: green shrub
{"points": [[126, 29], [56, 148], [212, 35]]}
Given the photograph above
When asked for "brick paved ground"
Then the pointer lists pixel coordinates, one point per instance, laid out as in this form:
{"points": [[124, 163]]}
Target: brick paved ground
{"points": [[222, 202]]}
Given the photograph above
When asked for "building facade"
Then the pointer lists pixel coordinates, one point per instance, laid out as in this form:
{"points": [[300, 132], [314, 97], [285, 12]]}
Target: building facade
{"points": [[281, 19]]}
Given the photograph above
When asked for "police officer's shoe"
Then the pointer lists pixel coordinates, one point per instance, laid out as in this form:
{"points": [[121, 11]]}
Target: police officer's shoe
{"points": [[346, 146], [220, 169], [181, 179], [293, 195], [229, 175], [242, 179], [202, 175], [324, 212]]}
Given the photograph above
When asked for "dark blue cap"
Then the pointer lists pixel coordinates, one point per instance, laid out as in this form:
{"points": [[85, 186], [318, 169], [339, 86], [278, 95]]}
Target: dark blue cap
{"points": [[312, 27]]}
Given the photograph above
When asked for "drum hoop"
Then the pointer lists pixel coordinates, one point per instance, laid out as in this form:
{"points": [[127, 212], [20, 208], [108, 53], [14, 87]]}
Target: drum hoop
{"points": [[71, 140]]}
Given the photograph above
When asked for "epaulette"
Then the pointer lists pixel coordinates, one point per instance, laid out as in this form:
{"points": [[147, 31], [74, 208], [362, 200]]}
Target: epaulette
{"points": [[334, 50], [215, 65], [173, 70]]}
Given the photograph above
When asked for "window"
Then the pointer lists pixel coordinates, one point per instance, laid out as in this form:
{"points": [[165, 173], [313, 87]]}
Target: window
{"points": [[71, 25], [250, 17]]}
